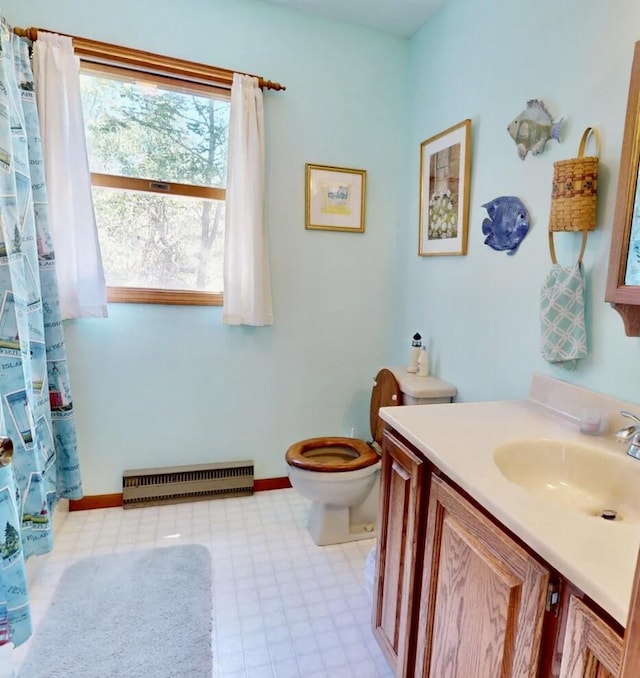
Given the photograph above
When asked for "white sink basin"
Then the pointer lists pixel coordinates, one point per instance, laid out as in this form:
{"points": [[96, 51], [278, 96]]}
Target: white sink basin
{"points": [[576, 476]]}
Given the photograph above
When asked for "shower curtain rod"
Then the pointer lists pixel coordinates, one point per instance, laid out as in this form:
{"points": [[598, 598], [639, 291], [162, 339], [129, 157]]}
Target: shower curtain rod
{"points": [[100, 52]]}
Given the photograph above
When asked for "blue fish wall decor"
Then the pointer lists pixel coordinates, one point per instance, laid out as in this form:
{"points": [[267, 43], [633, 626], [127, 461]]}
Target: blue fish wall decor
{"points": [[506, 225], [533, 128]]}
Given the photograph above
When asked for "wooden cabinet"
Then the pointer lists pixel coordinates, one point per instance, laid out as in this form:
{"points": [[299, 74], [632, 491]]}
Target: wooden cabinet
{"points": [[630, 664], [458, 596], [591, 648], [403, 486], [483, 596]]}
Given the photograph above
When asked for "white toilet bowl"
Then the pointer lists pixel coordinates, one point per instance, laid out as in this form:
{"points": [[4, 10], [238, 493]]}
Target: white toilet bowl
{"points": [[348, 488], [344, 506], [341, 476]]}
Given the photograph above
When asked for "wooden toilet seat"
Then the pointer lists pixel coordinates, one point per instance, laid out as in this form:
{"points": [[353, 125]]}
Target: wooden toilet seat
{"points": [[350, 454], [301, 454]]}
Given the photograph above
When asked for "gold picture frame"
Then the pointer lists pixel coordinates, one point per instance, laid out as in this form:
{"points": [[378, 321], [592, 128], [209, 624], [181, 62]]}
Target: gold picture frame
{"points": [[334, 198], [445, 161]]}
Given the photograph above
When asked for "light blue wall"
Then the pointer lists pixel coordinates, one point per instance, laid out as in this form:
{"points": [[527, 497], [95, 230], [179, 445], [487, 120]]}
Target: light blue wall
{"points": [[161, 385], [158, 385], [484, 60]]}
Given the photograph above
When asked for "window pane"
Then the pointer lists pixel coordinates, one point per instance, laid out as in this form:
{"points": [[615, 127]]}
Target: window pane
{"points": [[151, 131], [161, 242]]}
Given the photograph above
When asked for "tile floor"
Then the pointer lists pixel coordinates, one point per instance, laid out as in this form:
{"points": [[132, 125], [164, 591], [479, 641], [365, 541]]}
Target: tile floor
{"points": [[283, 607]]}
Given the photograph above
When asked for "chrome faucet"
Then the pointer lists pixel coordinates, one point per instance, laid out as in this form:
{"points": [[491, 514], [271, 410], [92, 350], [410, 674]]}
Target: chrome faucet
{"points": [[630, 434]]}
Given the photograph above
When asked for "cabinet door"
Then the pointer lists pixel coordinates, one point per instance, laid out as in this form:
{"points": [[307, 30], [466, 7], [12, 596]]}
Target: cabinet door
{"points": [[630, 663], [483, 596], [400, 553], [591, 648]]}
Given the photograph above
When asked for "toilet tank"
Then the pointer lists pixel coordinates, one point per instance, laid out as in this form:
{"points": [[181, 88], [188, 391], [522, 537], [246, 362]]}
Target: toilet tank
{"points": [[422, 390]]}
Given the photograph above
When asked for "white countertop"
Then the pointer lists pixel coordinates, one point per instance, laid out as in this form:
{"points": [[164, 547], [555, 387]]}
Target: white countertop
{"points": [[599, 557]]}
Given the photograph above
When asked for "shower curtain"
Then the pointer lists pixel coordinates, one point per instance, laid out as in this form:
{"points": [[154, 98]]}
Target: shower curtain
{"points": [[36, 409]]}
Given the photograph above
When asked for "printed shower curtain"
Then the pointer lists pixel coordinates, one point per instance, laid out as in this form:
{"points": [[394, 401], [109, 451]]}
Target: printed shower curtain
{"points": [[35, 399]]}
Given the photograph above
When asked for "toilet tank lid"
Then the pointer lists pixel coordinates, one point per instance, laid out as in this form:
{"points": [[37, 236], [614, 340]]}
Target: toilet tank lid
{"points": [[422, 387]]}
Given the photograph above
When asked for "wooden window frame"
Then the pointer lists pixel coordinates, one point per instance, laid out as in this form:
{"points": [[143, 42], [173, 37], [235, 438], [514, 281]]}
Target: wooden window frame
{"points": [[186, 76]]}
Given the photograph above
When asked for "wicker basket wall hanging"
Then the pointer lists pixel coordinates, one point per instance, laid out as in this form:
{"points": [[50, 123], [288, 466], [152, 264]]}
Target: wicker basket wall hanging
{"points": [[573, 195]]}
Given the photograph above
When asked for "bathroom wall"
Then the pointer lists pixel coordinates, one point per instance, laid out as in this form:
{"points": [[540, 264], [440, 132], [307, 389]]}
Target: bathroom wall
{"points": [[156, 385], [479, 312]]}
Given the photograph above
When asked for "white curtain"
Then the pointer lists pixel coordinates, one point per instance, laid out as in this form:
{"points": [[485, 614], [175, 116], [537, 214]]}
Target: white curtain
{"points": [[247, 285], [71, 215]]}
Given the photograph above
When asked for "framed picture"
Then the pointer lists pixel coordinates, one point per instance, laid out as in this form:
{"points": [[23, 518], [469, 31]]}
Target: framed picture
{"points": [[444, 192], [334, 198]]}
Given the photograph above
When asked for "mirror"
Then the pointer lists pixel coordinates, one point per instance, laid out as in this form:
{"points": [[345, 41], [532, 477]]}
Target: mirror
{"points": [[623, 282]]}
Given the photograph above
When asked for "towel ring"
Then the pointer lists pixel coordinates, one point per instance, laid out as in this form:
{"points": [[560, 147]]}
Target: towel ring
{"points": [[552, 249]]}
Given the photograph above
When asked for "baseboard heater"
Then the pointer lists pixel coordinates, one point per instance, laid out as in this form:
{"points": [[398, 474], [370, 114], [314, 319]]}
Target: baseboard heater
{"points": [[177, 484]]}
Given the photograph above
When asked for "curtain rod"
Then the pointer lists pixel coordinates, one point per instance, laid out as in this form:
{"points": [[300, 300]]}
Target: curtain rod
{"points": [[93, 50]]}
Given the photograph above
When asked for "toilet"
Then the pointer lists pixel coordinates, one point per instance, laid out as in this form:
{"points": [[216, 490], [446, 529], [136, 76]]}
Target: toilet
{"points": [[341, 476]]}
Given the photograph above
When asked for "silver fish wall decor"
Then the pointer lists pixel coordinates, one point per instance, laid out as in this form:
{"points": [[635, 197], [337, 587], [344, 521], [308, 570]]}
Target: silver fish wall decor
{"points": [[533, 128]]}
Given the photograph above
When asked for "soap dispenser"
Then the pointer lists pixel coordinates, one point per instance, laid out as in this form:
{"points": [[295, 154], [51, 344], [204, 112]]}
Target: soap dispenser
{"points": [[423, 362]]}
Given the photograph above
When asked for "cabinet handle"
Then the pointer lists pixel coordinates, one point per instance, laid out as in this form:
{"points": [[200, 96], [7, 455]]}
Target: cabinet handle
{"points": [[553, 597]]}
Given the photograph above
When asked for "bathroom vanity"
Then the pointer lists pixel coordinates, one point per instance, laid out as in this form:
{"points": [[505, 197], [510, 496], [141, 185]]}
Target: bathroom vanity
{"points": [[478, 575]]}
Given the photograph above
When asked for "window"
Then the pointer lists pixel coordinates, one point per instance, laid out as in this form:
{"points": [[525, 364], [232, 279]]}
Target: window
{"points": [[157, 146]]}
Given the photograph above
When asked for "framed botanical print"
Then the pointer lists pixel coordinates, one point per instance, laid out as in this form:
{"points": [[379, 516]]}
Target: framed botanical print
{"points": [[444, 192]]}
